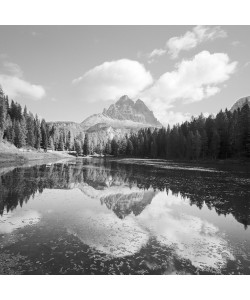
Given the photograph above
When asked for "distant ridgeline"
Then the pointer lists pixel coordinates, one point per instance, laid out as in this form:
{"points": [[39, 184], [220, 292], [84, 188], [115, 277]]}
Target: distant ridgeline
{"points": [[130, 128]]}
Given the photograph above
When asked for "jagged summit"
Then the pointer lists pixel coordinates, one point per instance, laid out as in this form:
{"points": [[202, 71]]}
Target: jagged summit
{"points": [[124, 100], [125, 112], [240, 103]]}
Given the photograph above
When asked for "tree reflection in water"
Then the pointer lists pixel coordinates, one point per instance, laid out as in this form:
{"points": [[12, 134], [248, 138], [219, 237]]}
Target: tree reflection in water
{"points": [[226, 192], [106, 217]]}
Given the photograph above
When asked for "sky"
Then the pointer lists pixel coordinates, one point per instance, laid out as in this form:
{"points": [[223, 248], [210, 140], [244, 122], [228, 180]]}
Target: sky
{"points": [[67, 73]]}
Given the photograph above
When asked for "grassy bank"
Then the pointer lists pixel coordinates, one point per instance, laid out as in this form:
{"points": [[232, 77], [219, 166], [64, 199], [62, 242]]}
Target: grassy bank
{"points": [[10, 155]]}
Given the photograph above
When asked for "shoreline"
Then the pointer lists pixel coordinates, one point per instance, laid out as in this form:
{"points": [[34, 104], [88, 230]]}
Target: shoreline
{"points": [[184, 161], [18, 158]]}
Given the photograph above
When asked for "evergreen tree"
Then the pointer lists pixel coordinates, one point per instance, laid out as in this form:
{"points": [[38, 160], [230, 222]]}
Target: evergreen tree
{"points": [[114, 147], [19, 140], [30, 137], [68, 141], [86, 146], [77, 146], [3, 114], [37, 131], [129, 149], [61, 143], [215, 144], [108, 149], [44, 135], [197, 145]]}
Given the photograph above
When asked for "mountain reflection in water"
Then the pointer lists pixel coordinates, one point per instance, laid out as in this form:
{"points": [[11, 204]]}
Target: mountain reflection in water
{"points": [[150, 220]]}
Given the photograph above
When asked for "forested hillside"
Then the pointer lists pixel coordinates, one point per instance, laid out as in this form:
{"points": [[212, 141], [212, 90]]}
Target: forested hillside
{"points": [[23, 129], [227, 135]]}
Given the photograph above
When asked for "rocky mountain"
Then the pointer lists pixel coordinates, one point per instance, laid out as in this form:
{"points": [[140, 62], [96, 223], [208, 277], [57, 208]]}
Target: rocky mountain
{"points": [[125, 113], [123, 117], [240, 103]]}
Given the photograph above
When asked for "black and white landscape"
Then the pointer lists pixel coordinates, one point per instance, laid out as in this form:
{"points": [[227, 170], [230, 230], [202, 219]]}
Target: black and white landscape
{"points": [[121, 156]]}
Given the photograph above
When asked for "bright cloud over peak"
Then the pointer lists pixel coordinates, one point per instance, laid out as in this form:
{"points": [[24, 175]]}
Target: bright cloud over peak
{"points": [[192, 80], [110, 80]]}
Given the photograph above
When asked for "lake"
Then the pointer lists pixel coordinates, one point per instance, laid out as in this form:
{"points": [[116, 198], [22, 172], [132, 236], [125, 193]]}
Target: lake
{"points": [[97, 216]]}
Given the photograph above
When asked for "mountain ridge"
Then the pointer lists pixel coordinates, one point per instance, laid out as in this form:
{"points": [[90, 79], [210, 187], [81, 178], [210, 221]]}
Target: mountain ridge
{"points": [[124, 112], [124, 117]]}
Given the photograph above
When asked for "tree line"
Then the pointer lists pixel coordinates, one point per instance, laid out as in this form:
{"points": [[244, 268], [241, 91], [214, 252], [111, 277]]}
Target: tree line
{"points": [[23, 129], [227, 135], [224, 136]]}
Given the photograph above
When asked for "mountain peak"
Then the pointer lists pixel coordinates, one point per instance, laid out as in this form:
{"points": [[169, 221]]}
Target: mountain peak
{"points": [[125, 111], [240, 103], [125, 99]]}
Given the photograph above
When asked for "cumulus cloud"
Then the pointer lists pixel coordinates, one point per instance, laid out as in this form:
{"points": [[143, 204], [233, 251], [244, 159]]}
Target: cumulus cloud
{"points": [[188, 41], [192, 39], [16, 87], [170, 117], [155, 53], [110, 80], [189, 236], [192, 80], [14, 84]]}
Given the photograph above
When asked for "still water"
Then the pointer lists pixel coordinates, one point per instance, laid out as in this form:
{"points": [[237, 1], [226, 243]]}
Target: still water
{"points": [[96, 216]]}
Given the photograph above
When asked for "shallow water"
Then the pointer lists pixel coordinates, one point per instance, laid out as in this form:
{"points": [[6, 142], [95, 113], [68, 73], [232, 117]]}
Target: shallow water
{"points": [[113, 217]]}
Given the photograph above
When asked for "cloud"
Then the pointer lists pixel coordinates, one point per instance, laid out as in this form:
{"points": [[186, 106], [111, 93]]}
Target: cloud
{"points": [[17, 219], [247, 64], [169, 117], [110, 80], [14, 84], [236, 43], [192, 80], [192, 39], [155, 53], [188, 41], [17, 87], [12, 68], [189, 236]]}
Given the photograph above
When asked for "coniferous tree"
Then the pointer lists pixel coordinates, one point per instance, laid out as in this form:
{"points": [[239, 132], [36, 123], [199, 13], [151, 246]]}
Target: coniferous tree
{"points": [[129, 149], [37, 131], [3, 113], [86, 146], [108, 149], [30, 138], [77, 146], [114, 147], [19, 140], [215, 144], [44, 135]]}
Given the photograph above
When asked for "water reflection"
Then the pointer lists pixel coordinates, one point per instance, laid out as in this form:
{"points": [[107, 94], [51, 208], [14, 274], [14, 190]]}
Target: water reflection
{"points": [[191, 237], [104, 180], [159, 217], [18, 219]]}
